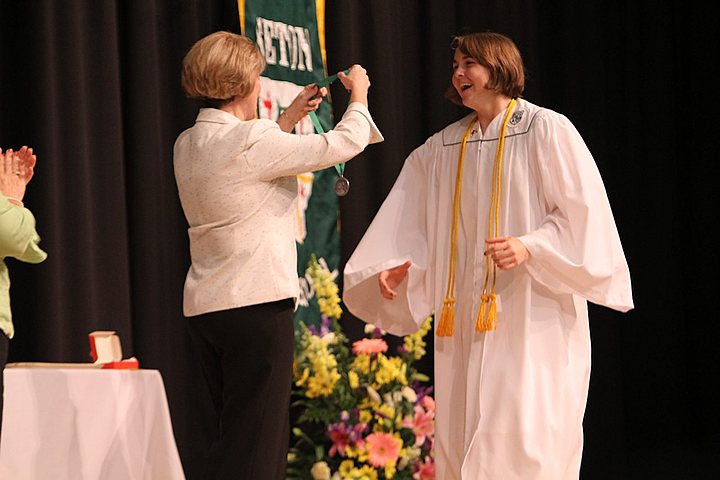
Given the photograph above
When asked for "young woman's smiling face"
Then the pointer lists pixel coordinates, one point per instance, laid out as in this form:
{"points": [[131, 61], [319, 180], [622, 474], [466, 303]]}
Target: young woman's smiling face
{"points": [[469, 79]]}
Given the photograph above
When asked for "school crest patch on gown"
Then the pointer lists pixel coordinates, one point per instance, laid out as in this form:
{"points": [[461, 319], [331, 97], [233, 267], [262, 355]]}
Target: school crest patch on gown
{"points": [[516, 117]]}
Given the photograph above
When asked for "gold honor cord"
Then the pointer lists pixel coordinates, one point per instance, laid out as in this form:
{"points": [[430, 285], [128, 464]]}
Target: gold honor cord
{"points": [[488, 300], [447, 318]]}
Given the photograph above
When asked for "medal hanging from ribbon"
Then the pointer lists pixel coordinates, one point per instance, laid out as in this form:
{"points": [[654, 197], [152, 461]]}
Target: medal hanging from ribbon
{"points": [[342, 184]]}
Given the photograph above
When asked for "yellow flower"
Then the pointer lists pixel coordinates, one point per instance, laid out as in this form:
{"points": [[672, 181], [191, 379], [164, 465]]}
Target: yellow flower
{"points": [[368, 473], [362, 455], [351, 451], [303, 378], [414, 343], [389, 370], [365, 416], [353, 379], [346, 466], [386, 411], [364, 473], [390, 469], [326, 290], [322, 383], [362, 364]]}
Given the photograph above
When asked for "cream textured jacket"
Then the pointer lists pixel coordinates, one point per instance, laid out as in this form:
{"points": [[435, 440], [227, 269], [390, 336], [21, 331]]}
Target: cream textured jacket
{"points": [[238, 188]]}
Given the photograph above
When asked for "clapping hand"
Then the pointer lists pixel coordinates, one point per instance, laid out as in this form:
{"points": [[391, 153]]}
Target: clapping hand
{"points": [[16, 170], [26, 163]]}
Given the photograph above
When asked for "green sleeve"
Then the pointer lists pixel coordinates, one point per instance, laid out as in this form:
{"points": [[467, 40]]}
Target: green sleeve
{"points": [[18, 237]]}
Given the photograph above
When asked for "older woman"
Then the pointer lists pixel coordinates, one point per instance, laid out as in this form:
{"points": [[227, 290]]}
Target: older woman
{"points": [[18, 238], [236, 178]]}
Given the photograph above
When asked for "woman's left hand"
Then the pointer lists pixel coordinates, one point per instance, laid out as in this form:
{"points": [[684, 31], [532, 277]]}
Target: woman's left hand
{"points": [[507, 252]]}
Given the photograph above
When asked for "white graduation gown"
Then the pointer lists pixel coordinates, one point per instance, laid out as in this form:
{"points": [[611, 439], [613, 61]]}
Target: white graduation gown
{"points": [[510, 402]]}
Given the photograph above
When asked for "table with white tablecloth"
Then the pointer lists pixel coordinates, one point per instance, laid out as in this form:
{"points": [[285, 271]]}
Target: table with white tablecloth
{"points": [[87, 424]]}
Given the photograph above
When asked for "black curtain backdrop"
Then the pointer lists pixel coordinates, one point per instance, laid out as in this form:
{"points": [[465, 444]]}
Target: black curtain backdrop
{"points": [[93, 86]]}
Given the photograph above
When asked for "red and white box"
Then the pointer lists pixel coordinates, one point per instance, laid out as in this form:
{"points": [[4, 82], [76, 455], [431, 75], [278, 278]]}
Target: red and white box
{"points": [[105, 350]]}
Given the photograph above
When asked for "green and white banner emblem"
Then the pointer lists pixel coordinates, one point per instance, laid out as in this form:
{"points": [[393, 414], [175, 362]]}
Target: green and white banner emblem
{"points": [[291, 36]]}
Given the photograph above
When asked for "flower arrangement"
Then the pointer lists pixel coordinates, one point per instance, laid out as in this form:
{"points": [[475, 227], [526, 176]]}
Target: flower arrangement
{"points": [[364, 414]]}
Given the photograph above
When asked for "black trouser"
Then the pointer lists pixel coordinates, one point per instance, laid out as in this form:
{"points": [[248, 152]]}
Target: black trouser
{"points": [[246, 355]]}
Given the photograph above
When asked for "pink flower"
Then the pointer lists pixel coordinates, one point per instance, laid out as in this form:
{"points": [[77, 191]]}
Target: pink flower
{"points": [[426, 470], [369, 346], [382, 448], [340, 442], [343, 437], [422, 425], [429, 403]]}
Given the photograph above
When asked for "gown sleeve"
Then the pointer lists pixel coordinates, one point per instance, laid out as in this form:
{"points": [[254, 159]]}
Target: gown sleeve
{"points": [[577, 247], [397, 233]]}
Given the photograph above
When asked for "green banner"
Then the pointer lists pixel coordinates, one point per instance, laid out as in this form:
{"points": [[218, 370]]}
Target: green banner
{"points": [[290, 35]]}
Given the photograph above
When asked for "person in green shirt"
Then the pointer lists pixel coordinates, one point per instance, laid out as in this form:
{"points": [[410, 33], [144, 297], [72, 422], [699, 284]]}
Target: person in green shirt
{"points": [[18, 238]]}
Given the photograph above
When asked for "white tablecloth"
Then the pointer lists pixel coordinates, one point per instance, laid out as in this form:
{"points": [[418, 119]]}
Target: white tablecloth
{"points": [[87, 424]]}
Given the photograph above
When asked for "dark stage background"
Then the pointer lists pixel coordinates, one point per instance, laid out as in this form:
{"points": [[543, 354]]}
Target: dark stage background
{"points": [[93, 86]]}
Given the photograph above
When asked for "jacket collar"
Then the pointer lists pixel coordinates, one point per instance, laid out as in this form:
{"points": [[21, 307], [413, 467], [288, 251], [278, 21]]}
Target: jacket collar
{"points": [[214, 115]]}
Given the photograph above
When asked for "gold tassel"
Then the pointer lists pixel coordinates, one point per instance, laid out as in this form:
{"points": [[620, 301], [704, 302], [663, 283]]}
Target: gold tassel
{"points": [[480, 321], [492, 314], [486, 323], [447, 319]]}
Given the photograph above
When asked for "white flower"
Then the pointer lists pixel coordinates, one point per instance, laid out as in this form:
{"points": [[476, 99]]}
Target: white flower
{"points": [[320, 471], [412, 452], [330, 338], [409, 394], [372, 393], [370, 328]]}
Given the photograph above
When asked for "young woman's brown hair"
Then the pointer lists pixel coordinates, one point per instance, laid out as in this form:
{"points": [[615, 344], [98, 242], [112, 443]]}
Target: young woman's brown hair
{"points": [[497, 53]]}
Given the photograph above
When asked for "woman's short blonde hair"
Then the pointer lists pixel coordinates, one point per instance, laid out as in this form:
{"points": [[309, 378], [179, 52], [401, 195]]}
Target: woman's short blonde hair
{"points": [[221, 66], [499, 55]]}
